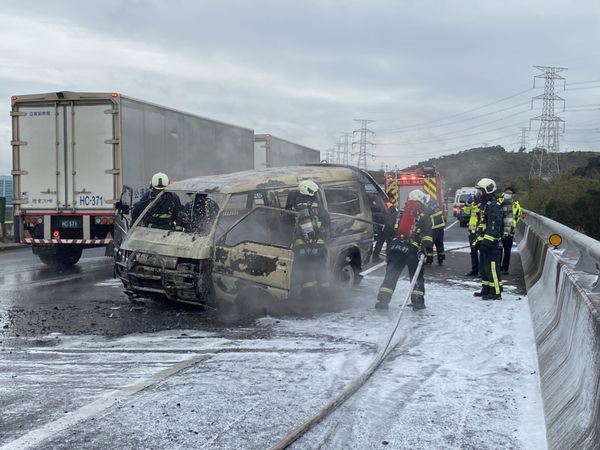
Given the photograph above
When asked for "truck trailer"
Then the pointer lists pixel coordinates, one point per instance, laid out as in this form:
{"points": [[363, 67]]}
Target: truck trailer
{"points": [[271, 151], [76, 155]]}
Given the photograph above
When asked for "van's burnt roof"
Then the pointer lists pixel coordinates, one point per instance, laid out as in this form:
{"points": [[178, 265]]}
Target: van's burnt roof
{"points": [[271, 178]]}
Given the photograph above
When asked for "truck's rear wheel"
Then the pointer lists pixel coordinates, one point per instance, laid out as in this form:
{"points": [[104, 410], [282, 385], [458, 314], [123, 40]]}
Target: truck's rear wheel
{"points": [[49, 260], [65, 257], [68, 256]]}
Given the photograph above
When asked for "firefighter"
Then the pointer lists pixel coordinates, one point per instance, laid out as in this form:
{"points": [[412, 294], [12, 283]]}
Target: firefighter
{"points": [[472, 209], [158, 182], [164, 214], [512, 215], [438, 223], [490, 231], [387, 233], [310, 251], [413, 238]]}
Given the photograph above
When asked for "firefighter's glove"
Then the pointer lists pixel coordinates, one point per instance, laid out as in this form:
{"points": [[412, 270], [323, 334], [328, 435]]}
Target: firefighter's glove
{"points": [[428, 252], [486, 244], [309, 237]]}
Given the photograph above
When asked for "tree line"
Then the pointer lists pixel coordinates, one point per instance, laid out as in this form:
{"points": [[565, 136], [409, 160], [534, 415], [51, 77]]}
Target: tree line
{"points": [[572, 199]]}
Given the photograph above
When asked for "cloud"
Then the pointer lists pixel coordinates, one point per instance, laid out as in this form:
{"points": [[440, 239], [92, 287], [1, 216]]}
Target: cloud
{"points": [[304, 70]]}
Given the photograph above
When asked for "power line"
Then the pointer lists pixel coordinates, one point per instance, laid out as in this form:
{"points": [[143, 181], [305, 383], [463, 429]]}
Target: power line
{"points": [[450, 133], [468, 119], [512, 125], [439, 152], [584, 82], [424, 124]]}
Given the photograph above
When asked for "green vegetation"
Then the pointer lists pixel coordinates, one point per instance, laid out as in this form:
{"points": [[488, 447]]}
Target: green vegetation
{"points": [[572, 199], [505, 168]]}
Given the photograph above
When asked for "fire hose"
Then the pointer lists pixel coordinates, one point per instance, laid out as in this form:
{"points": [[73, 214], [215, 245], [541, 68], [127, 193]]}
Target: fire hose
{"points": [[356, 384]]}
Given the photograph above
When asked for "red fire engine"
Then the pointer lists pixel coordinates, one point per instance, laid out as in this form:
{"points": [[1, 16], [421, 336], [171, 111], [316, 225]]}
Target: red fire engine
{"points": [[427, 179]]}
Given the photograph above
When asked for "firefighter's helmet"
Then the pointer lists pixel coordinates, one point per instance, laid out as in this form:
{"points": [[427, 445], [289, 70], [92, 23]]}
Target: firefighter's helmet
{"points": [[308, 187], [418, 195], [159, 181], [487, 185]]}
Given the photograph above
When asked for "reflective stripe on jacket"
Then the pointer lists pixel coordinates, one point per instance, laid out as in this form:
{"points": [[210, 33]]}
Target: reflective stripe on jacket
{"points": [[491, 221], [473, 211]]}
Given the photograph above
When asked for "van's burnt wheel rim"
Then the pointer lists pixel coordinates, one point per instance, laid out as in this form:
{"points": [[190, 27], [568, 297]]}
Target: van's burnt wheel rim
{"points": [[347, 275]]}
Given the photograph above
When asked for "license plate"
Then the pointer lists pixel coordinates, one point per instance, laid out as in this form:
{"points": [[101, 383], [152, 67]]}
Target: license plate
{"points": [[69, 223]]}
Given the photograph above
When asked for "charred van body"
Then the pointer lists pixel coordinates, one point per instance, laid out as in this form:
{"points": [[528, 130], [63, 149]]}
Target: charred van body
{"points": [[223, 238]]}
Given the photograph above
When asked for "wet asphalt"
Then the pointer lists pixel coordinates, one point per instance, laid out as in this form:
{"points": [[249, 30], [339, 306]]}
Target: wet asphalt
{"points": [[36, 299]]}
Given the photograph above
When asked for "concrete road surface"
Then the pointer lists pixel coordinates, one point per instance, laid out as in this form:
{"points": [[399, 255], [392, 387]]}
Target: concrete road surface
{"points": [[81, 367]]}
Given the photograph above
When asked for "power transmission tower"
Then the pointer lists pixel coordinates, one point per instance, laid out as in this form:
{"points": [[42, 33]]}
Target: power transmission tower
{"points": [[338, 153], [544, 160], [330, 155], [363, 143], [346, 152], [524, 139]]}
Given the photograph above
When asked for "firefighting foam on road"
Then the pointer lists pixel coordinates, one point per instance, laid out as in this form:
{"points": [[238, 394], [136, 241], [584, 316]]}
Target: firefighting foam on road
{"points": [[283, 355]]}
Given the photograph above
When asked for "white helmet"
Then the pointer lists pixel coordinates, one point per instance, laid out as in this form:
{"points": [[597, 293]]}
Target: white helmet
{"points": [[308, 187], [159, 181], [418, 195], [487, 185]]}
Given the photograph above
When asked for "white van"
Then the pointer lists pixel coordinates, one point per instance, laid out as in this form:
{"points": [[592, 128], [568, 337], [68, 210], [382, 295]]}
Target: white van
{"points": [[460, 197]]}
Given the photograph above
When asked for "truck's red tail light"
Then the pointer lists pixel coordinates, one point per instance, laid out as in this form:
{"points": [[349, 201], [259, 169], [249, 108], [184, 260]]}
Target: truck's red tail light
{"points": [[56, 234], [114, 95], [104, 220], [13, 98]]}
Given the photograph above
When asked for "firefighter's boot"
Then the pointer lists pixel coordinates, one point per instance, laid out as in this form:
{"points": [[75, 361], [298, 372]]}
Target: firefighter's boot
{"points": [[383, 298]]}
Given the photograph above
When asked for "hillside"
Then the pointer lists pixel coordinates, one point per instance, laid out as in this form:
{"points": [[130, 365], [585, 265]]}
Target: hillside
{"points": [[467, 167], [571, 199]]}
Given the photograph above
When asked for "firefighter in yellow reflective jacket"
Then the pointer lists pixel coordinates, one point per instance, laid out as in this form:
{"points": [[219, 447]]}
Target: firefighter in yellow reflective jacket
{"points": [[438, 223], [310, 251], [512, 215], [472, 209], [490, 231], [413, 237]]}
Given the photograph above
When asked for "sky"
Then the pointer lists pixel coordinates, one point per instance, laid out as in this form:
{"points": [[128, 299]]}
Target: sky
{"points": [[430, 74]]}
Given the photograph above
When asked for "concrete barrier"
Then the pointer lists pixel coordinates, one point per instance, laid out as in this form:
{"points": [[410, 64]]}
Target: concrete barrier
{"points": [[565, 308]]}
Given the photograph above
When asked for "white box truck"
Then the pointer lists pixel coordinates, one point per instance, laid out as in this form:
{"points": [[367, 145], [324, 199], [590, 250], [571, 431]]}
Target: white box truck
{"points": [[75, 154], [271, 151]]}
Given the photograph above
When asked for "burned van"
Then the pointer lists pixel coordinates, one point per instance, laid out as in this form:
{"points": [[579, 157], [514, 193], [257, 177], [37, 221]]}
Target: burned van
{"points": [[218, 238]]}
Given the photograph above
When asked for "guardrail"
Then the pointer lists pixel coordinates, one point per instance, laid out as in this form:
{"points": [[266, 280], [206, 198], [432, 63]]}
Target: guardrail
{"points": [[562, 285], [575, 244]]}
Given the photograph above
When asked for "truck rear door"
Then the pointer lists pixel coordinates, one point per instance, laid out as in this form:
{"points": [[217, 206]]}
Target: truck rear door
{"points": [[90, 160], [67, 155], [42, 156]]}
